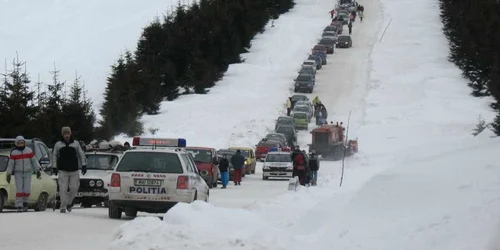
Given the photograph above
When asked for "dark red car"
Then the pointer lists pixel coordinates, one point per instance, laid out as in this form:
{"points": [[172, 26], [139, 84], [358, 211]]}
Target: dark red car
{"points": [[206, 162], [266, 145]]}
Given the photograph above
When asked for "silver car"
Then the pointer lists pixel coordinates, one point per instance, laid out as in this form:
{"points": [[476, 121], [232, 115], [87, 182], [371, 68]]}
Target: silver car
{"points": [[277, 164], [153, 177]]}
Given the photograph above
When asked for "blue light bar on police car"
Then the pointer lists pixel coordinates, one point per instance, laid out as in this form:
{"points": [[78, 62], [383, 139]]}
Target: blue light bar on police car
{"points": [[273, 149], [159, 142]]}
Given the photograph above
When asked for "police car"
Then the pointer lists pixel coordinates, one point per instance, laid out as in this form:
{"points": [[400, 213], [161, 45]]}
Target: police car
{"points": [[153, 176], [277, 164], [93, 188]]}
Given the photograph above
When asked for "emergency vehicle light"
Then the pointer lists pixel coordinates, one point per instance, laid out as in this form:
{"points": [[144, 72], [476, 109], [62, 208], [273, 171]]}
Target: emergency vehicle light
{"points": [[159, 142]]}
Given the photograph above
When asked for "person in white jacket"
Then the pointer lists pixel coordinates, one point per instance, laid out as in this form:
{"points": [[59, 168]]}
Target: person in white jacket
{"points": [[22, 163]]}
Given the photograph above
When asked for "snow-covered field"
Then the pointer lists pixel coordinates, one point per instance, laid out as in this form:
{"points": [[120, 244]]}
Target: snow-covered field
{"points": [[420, 180]]}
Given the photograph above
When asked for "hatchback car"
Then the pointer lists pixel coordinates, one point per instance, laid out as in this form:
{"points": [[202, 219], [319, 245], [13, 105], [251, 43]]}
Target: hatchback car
{"points": [[329, 44], [284, 121]]}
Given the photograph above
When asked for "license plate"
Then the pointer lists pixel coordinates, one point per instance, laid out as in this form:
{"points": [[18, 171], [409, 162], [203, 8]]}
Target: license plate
{"points": [[87, 194], [146, 182]]}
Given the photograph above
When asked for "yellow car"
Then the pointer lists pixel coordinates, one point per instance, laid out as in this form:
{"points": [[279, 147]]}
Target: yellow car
{"points": [[250, 162], [43, 190]]}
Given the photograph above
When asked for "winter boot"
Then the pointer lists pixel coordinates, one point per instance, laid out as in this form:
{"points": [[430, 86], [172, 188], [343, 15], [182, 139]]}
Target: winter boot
{"points": [[69, 207], [63, 211], [239, 183], [25, 206], [19, 209]]}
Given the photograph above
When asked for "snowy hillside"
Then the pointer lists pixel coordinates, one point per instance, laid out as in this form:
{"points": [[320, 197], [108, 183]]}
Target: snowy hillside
{"points": [[87, 36], [421, 181]]}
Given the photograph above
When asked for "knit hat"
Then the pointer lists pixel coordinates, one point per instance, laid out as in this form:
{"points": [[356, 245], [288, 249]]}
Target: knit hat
{"points": [[65, 130], [20, 138]]}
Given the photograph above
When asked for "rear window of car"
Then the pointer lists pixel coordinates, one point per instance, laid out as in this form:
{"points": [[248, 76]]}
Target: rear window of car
{"points": [[326, 41], [279, 158], [285, 130], [3, 163], [101, 161], [154, 162], [303, 78], [267, 144], [201, 155], [300, 116]]}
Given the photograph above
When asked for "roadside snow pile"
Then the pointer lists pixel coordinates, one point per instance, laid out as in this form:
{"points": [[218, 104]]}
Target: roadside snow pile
{"points": [[252, 94], [203, 226], [440, 198]]}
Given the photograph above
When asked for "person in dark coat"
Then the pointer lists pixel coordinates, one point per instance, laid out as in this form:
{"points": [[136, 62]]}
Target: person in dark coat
{"points": [[350, 28], [238, 162], [313, 167], [224, 171]]}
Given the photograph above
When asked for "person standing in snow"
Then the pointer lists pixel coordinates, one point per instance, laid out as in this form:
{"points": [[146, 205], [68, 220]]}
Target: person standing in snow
{"points": [[299, 167], [68, 156], [224, 171], [238, 162], [332, 13], [288, 106], [350, 28], [313, 167], [22, 163]]}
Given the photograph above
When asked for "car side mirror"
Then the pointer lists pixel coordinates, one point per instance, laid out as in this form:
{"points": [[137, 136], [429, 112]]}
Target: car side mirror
{"points": [[44, 161]]}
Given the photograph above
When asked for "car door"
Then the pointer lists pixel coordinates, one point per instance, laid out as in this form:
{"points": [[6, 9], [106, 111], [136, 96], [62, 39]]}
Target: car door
{"points": [[44, 160], [194, 176]]}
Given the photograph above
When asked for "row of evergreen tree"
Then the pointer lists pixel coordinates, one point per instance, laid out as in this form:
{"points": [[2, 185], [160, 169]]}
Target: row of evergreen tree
{"points": [[186, 52], [39, 110], [473, 30]]}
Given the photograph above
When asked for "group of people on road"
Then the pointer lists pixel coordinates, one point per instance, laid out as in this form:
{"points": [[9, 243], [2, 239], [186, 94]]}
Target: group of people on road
{"points": [[305, 167], [238, 162], [319, 111], [68, 156]]}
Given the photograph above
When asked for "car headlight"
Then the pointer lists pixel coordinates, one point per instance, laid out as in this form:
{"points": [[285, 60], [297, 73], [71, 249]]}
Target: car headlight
{"points": [[246, 162], [265, 167], [289, 167], [99, 183], [91, 183]]}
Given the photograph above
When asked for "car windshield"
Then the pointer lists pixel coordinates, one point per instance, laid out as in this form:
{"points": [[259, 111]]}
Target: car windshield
{"points": [[3, 163], [201, 155], [303, 78], [245, 153], [154, 162], [101, 161], [300, 116], [279, 158], [308, 63], [285, 130], [344, 38]]}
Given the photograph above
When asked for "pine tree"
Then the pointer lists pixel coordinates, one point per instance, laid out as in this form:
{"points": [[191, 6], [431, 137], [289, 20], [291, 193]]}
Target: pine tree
{"points": [[78, 112], [17, 107]]}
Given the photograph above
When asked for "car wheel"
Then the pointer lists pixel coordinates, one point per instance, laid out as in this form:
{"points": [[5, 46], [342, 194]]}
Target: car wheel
{"points": [[209, 185], [41, 204], [114, 212], [207, 198], [86, 204], [195, 197], [132, 213]]}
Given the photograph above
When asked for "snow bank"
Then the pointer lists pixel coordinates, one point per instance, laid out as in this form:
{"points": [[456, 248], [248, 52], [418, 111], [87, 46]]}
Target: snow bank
{"points": [[203, 226]]}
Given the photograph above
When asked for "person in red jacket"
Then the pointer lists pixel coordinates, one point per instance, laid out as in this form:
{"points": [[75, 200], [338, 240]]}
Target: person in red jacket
{"points": [[299, 167]]}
